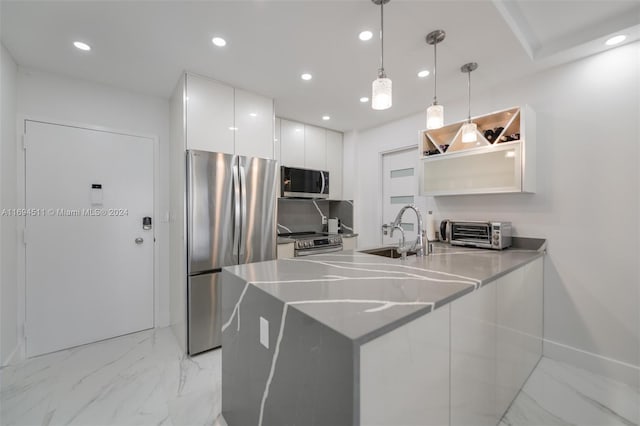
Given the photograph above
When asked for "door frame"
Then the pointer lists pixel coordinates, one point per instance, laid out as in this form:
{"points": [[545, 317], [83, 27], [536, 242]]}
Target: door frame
{"points": [[413, 146], [21, 189]]}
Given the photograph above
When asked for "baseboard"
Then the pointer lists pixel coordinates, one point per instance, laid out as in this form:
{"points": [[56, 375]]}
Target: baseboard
{"points": [[15, 355], [597, 364]]}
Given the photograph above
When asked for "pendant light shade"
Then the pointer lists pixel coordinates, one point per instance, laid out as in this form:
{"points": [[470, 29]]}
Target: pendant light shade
{"points": [[469, 132], [435, 113], [469, 129], [381, 93], [435, 116]]}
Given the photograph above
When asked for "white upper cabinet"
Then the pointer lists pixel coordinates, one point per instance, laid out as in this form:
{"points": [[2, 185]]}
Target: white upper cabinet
{"points": [[311, 147], [501, 160], [292, 143], [334, 164], [210, 120], [315, 151], [254, 125]]}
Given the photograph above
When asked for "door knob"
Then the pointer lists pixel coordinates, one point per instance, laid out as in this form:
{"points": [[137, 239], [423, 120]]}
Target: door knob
{"points": [[139, 240]]}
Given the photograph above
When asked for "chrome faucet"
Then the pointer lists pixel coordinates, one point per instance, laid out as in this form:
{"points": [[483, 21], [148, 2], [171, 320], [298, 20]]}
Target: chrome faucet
{"points": [[418, 245]]}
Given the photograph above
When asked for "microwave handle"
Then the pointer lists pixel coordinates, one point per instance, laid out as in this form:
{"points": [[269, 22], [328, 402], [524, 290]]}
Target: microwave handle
{"points": [[323, 182]]}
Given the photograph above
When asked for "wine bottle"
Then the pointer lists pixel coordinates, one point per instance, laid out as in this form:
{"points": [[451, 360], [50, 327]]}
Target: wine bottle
{"points": [[489, 135]]}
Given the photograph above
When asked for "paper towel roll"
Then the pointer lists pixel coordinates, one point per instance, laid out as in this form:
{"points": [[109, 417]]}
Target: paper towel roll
{"points": [[431, 226]]}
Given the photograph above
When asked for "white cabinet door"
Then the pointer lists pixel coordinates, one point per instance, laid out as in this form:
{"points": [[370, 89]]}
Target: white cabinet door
{"points": [[315, 148], [404, 374], [292, 146], [285, 251], [277, 139], [349, 243], [519, 330], [254, 125], [334, 164], [210, 121], [473, 358]]}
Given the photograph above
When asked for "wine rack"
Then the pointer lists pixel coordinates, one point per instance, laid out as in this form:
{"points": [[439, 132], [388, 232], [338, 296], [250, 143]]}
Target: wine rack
{"points": [[501, 160]]}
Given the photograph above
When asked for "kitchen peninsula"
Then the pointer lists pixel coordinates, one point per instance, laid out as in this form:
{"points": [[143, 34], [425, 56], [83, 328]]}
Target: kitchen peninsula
{"points": [[352, 338]]}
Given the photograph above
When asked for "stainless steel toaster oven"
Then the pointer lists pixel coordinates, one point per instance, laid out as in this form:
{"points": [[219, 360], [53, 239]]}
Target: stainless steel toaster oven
{"points": [[490, 235]]}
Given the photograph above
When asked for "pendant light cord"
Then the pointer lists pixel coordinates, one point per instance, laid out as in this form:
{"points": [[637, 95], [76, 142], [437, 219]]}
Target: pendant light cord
{"points": [[469, 96], [435, 73], [381, 71]]}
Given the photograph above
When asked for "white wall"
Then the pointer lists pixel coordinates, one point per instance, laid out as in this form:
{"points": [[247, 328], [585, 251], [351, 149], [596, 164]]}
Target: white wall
{"points": [[60, 99], [586, 204], [8, 199]]}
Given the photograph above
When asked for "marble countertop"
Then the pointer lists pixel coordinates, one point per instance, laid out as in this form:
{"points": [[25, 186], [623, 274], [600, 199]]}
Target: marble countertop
{"points": [[284, 240], [362, 296]]}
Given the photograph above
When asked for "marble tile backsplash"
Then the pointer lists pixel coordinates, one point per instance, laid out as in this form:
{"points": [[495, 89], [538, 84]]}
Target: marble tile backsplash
{"points": [[297, 215]]}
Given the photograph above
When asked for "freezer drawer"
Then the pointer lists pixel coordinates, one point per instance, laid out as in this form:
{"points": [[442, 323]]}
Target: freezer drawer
{"points": [[205, 327]]}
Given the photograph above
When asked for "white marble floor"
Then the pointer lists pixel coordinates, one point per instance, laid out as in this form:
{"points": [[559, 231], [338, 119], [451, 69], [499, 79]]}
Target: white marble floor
{"points": [[560, 394], [143, 379], [138, 379]]}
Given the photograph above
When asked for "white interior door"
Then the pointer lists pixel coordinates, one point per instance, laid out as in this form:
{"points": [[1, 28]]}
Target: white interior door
{"points": [[89, 262], [399, 188]]}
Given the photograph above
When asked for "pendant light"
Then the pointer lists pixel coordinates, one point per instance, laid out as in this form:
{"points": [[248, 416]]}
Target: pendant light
{"points": [[469, 129], [435, 113], [381, 87]]}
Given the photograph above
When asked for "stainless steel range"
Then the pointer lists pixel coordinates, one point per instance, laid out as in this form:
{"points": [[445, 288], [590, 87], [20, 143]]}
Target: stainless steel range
{"points": [[308, 243]]}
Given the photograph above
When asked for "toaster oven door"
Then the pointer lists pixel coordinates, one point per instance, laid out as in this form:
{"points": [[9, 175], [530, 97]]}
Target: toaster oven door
{"points": [[473, 234]]}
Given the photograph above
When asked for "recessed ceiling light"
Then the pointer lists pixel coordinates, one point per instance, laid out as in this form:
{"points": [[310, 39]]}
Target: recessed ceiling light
{"points": [[306, 76], [326, 118], [423, 73], [364, 99], [253, 114], [82, 46], [615, 40], [233, 129], [298, 129], [219, 41], [365, 35]]}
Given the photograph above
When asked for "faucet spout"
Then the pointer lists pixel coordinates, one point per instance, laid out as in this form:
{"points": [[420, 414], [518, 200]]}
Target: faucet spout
{"points": [[418, 245]]}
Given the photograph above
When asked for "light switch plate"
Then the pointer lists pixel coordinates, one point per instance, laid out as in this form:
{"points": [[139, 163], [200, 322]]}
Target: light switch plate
{"points": [[264, 332]]}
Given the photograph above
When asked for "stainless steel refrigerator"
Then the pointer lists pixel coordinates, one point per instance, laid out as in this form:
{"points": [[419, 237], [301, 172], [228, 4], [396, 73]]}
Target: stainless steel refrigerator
{"points": [[231, 219]]}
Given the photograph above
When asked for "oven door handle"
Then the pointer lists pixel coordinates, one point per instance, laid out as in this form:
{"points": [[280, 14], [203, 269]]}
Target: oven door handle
{"points": [[317, 251]]}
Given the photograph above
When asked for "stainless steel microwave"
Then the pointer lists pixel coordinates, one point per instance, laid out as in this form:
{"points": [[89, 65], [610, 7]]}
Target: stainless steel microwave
{"points": [[304, 183]]}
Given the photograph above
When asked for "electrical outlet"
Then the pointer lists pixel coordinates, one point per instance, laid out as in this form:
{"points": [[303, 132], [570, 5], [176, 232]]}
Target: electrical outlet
{"points": [[324, 220], [264, 332]]}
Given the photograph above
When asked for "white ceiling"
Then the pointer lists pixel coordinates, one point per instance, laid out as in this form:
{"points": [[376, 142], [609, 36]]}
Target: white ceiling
{"points": [[144, 45]]}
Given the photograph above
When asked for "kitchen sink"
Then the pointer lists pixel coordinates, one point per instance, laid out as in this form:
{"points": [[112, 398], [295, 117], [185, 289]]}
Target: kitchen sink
{"points": [[390, 252]]}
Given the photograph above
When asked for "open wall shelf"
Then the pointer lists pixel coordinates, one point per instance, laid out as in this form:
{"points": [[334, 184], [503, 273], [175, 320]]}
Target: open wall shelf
{"points": [[500, 161]]}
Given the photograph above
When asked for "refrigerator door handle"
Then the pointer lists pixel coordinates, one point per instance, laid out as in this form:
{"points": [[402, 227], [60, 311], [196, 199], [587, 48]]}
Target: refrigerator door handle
{"points": [[236, 213], [243, 202]]}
